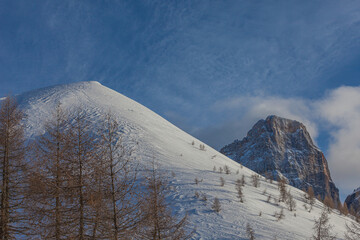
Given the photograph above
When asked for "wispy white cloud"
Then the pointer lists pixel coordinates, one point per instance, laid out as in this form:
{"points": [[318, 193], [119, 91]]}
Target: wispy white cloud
{"points": [[341, 111], [239, 114], [337, 113]]}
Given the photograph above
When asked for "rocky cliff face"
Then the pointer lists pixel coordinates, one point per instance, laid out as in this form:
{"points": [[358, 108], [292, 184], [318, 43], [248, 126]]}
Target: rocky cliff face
{"points": [[353, 201], [278, 147]]}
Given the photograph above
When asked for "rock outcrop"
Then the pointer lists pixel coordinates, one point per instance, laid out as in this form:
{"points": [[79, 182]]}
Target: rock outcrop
{"points": [[278, 147], [353, 201]]}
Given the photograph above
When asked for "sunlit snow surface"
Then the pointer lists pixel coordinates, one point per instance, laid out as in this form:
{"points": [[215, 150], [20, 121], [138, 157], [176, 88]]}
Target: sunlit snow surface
{"points": [[154, 137]]}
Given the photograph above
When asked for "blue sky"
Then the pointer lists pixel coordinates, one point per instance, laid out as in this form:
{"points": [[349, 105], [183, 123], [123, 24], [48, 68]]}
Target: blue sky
{"points": [[211, 67]]}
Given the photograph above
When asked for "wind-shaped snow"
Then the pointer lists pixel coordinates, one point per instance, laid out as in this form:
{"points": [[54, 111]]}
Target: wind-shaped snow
{"points": [[154, 137]]}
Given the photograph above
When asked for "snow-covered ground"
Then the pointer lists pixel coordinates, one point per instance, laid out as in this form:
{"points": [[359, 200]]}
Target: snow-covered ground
{"points": [[154, 137]]}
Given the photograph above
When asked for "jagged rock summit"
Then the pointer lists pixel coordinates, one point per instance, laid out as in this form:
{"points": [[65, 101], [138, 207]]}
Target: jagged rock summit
{"points": [[280, 147], [353, 201]]}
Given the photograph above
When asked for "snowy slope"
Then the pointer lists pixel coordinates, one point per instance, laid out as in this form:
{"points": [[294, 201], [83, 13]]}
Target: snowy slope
{"points": [[155, 137]]}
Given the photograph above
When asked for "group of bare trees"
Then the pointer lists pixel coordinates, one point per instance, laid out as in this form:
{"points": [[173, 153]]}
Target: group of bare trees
{"points": [[81, 184], [158, 222], [78, 181], [12, 170], [352, 231], [322, 228], [309, 198]]}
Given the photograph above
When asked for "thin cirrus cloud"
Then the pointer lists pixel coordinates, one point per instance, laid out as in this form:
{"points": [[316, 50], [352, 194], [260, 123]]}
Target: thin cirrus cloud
{"points": [[338, 113], [178, 57], [201, 50]]}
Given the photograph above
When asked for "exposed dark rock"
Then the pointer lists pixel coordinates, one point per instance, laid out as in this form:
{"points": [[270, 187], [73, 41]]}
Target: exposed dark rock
{"points": [[278, 147], [353, 201]]}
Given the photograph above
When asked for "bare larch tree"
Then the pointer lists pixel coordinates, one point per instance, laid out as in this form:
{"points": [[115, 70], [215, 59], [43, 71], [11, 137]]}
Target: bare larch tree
{"points": [[12, 166], [48, 194], [81, 157], [322, 228], [159, 222], [121, 202]]}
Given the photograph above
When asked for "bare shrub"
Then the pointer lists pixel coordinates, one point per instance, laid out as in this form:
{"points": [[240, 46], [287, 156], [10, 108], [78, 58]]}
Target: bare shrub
{"points": [[238, 187], [197, 195], [243, 180], [203, 197], [216, 205], [250, 232], [282, 189], [279, 215], [255, 180], [227, 169], [222, 181], [196, 181], [290, 202], [268, 198]]}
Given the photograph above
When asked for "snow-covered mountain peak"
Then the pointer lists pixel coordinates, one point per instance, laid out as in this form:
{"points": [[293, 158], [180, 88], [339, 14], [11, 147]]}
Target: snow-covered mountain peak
{"points": [[140, 124], [61, 89], [91, 96], [180, 155]]}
